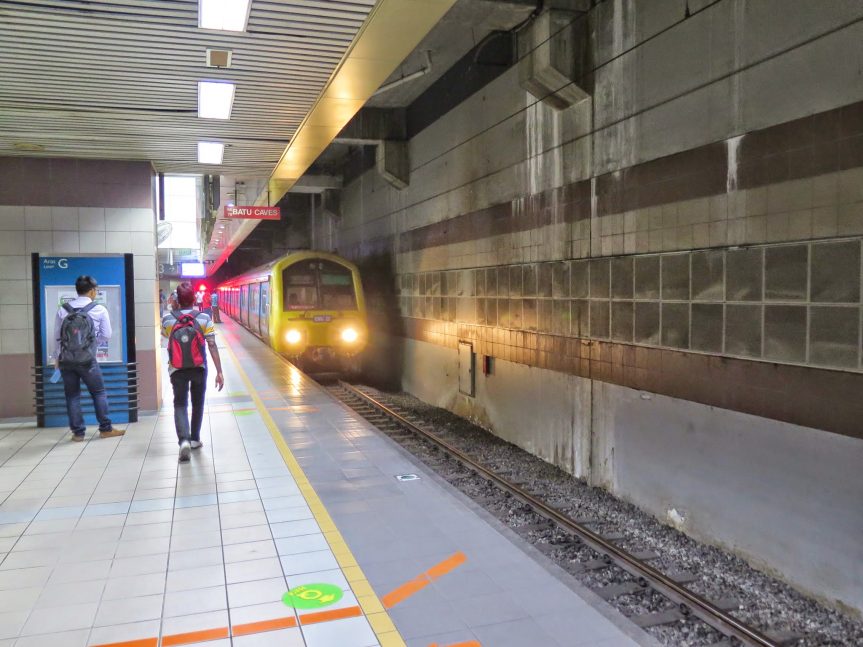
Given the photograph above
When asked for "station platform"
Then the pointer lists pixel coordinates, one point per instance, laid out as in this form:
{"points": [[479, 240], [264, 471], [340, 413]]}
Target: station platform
{"points": [[288, 527]]}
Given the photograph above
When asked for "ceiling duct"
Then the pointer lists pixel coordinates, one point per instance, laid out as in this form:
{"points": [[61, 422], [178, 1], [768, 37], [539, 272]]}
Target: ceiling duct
{"points": [[551, 50]]}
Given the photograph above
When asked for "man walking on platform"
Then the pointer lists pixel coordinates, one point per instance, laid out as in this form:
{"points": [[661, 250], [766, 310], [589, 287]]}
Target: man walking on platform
{"points": [[214, 306], [188, 330], [81, 325]]}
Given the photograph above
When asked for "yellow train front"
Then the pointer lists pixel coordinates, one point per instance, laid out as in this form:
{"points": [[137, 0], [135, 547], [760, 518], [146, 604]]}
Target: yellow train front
{"points": [[308, 306]]}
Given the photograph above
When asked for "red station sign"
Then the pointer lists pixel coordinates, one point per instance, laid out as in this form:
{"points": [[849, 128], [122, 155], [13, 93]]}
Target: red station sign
{"points": [[254, 213]]}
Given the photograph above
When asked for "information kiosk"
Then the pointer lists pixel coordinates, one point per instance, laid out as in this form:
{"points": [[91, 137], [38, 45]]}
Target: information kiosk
{"points": [[54, 284]]}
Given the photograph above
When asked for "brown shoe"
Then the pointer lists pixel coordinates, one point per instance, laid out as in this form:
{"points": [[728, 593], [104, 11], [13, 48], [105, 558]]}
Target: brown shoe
{"points": [[78, 438], [112, 433]]}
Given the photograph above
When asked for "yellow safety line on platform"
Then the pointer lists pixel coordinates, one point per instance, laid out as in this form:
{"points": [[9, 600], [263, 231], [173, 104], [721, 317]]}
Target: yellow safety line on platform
{"points": [[378, 618]]}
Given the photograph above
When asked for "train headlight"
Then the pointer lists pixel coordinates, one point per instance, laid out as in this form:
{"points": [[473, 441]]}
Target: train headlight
{"points": [[350, 335], [293, 337]]}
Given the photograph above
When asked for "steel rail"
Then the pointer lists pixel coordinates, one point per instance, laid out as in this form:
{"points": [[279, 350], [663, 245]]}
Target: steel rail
{"points": [[687, 601]]}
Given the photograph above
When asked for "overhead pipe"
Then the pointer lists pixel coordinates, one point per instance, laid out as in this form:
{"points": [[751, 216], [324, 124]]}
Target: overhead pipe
{"points": [[407, 77]]}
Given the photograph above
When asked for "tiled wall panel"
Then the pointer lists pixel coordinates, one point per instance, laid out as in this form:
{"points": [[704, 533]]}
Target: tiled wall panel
{"points": [[797, 303]]}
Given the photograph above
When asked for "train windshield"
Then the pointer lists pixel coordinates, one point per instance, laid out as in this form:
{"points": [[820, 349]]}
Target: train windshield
{"points": [[318, 285]]}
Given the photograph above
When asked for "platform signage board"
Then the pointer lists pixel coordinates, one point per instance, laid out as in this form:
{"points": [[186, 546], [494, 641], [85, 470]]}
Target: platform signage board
{"points": [[253, 213], [53, 285]]}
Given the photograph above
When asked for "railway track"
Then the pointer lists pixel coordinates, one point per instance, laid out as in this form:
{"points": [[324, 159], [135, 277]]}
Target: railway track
{"points": [[630, 571]]}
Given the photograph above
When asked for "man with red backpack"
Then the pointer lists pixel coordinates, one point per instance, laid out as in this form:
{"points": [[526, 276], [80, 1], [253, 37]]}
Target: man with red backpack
{"points": [[188, 331]]}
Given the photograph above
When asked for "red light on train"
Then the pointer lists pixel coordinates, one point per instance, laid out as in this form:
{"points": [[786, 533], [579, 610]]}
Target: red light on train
{"points": [[202, 287]]}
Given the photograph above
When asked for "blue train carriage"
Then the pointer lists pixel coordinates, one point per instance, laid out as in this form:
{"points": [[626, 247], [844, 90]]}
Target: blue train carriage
{"points": [[308, 306]]}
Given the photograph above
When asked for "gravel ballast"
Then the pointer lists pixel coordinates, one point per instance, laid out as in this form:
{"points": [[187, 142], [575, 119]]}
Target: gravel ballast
{"points": [[765, 602]]}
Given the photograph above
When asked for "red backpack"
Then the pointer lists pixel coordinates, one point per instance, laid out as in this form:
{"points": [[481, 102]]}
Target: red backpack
{"points": [[186, 341]]}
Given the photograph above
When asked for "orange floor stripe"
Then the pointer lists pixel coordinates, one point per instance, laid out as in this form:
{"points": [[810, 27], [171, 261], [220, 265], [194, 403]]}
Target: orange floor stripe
{"points": [[447, 565], [417, 584], [264, 625], [404, 591], [325, 616], [144, 642], [195, 637]]}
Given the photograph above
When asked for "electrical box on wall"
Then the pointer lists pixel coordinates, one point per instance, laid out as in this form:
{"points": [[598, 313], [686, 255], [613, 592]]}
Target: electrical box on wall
{"points": [[466, 362]]}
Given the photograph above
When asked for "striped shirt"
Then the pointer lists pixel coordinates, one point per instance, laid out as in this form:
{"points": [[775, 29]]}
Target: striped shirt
{"points": [[204, 321]]}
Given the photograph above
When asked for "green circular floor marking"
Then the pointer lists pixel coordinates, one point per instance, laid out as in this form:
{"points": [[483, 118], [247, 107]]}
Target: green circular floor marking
{"points": [[312, 596], [244, 412]]}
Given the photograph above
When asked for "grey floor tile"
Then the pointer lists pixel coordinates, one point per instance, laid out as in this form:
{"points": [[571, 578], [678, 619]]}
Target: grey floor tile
{"points": [[425, 614], [466, 583], [515, 633], [582, 626]]}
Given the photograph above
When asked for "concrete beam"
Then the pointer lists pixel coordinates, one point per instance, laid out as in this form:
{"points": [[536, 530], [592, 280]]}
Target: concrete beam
{"points": [[316, 183], [553, 52], [393, 163], [568, 5], [373, 125]]}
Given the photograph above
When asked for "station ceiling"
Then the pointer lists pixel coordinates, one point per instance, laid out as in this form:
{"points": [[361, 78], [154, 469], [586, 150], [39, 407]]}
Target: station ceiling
{"points": [[117, 79]]}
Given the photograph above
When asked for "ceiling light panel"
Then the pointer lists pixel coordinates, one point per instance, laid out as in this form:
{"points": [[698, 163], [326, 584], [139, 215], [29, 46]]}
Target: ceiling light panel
{"points": [[215, 99], [210, 152], [226, 15]]}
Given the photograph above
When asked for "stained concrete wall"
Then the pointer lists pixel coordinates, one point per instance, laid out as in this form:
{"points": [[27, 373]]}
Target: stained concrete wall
{"points": [[784, 496], [741, 125]]}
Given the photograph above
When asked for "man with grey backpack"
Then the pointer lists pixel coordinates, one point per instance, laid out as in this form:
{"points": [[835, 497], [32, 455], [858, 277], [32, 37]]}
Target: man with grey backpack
{"points": [[79, 327]]}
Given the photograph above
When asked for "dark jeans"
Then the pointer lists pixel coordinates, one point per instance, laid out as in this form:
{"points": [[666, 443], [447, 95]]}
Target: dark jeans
{"points": [[92, 377], [184, 380]]}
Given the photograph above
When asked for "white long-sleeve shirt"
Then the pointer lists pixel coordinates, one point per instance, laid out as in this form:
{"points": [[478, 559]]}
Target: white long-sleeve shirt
{"points": [[99, 315]]}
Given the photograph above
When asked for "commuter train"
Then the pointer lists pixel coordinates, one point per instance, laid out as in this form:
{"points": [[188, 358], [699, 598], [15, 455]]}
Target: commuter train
{"points": [[309, 306]]}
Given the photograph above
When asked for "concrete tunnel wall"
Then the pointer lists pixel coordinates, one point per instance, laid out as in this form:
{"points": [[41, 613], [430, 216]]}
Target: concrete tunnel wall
{"points": [[645, 243]]}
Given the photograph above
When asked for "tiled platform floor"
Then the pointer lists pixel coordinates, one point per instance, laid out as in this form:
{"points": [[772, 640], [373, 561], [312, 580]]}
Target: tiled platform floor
{"points": [[111, 541]]}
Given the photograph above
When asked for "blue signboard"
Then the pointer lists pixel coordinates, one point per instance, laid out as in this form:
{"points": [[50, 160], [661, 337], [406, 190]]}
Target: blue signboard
{"points": [[55, 285]]}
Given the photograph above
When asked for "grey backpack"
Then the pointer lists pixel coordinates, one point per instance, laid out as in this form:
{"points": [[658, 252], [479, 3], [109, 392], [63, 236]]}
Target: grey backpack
{"points": [[77, 337]]}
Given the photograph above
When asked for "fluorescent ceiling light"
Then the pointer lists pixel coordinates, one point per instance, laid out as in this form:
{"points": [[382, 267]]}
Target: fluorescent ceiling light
{"points": [[227, 15], [215, 99], [210, 152]]}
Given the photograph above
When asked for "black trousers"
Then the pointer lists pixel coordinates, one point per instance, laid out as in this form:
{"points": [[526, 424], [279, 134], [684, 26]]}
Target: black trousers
{"points": [[183, 381]]}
